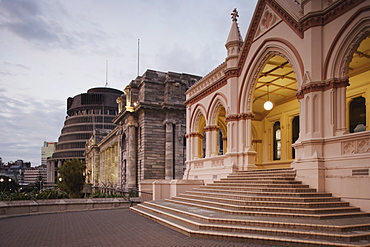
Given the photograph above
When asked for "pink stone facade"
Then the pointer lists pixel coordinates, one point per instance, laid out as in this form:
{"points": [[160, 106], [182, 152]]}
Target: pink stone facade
{"points": [[311, 59]]}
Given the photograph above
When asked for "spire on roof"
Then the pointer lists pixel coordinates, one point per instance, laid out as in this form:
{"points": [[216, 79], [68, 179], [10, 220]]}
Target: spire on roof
{"points": [[234, 35], [234, 41]]}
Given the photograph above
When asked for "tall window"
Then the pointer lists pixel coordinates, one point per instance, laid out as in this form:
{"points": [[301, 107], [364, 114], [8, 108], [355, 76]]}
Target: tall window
{"points": [[220, 143], [295, 133], [357, 114], [204, 145], [277, 141]]}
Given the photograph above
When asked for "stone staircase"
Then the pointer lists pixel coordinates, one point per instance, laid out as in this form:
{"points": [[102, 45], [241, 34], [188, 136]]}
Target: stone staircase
{"points": [[262, 206]]}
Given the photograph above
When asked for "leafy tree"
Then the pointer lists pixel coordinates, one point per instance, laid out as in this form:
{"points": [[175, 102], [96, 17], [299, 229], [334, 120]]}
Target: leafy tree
{"points": [[72, 179]]}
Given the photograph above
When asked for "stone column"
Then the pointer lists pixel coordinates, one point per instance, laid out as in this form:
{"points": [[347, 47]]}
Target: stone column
{"points": [[211, 141], [169, 156], [132, 154], [50, 169]]}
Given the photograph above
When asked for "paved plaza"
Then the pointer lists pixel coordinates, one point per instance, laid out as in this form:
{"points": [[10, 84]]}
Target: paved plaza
{"points": [[115, 227]]}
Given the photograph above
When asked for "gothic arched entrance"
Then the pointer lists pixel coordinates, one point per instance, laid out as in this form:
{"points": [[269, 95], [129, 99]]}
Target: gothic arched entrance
{"points": [[276, 126]]}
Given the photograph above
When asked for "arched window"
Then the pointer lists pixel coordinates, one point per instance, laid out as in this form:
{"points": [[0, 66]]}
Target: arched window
{"points": [[357, 114], [277, 141], [295, 133], [220, 143]]}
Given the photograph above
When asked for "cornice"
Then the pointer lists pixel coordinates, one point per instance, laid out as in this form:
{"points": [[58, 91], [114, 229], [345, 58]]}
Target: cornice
{"points": [[321, 18], [207, 91], [231, 72]]}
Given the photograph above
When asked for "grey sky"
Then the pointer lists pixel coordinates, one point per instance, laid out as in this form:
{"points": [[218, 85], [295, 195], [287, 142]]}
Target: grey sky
{"points": [[51, 50]]}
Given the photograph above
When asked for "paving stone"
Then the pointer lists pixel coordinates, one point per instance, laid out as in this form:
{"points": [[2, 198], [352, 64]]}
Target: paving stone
{"points": [[115, 227]]}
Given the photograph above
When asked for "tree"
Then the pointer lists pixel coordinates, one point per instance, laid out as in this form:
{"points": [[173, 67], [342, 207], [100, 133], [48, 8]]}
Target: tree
{"points": [[72, 179]]}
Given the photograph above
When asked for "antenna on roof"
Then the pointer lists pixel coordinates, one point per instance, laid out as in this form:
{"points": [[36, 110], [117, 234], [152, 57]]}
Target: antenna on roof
{"points": [[106, 74], [138, 57]]}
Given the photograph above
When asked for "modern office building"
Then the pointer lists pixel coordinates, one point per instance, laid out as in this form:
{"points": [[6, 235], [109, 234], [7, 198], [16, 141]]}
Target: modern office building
{"points": [[34, 174], [47, 151]]}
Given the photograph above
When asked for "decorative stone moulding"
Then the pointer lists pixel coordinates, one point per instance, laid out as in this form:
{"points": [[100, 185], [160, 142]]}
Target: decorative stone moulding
{"points": [[241, 116], [208, 84], [321, 86], [198, 165], [268, 20], [217, 163], [356, 147]]}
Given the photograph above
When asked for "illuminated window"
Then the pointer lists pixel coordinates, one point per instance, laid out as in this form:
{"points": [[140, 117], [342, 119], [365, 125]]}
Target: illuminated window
{"points": [[277, 141]]}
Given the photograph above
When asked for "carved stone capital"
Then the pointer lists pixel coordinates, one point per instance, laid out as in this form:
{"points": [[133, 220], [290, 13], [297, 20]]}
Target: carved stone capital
{"points": [[193, 134], [241, 116], [322, 86], [211, 128]]}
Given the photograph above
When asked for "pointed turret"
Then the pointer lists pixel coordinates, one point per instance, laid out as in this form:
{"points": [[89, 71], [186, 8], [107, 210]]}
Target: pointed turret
{"points": [[234, 41]]}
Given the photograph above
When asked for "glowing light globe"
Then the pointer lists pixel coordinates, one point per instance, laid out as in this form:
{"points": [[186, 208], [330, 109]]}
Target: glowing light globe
{"points": [[268, 105]]}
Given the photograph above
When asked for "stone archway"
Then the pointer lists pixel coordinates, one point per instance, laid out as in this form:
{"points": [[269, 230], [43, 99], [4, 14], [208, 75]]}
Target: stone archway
{"points": [[276, 83], [358, 91]]}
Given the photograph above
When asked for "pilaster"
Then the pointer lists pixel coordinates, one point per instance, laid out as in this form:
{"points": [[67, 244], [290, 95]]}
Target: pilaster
{"points": [[132, 154], [169, 156]]}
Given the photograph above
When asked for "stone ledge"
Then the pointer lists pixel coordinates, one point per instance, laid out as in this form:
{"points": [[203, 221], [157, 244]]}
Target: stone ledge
{"points": [[32, 207]]}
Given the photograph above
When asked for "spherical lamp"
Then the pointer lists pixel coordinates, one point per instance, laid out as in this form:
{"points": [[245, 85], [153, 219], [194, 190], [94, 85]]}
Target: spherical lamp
{"points": [[268, 105]]}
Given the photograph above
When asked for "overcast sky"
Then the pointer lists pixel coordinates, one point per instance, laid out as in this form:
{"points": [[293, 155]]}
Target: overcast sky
{"points": [[51, 50]]}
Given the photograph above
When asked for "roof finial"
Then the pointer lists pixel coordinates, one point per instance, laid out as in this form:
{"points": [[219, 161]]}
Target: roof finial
{"points": [[234, 15]]}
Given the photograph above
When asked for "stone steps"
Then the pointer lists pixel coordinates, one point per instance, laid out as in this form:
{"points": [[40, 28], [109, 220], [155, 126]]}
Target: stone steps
{"points": [[230, 194], [264, 189], [259, 181], [240, 200], [255, 231], [259, 193], [264, 185], [267, 206], [318, 213]]}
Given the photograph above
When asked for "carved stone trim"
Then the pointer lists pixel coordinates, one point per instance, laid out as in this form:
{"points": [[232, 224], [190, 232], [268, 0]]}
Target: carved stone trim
{"points": [[356, 147], [211, 128], [217, 163], [324, 17], [198, 165], [245, 116], [232, 72], [207, 91], [241, 116], [268, 20], [193, 134], [321, 86]]}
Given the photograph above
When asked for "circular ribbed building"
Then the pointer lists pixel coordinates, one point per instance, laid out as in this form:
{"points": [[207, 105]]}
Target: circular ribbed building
{"points": [[85, 112]]}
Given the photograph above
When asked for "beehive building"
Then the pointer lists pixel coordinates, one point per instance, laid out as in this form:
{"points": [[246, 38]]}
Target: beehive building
{"points": [[94, 109]]}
